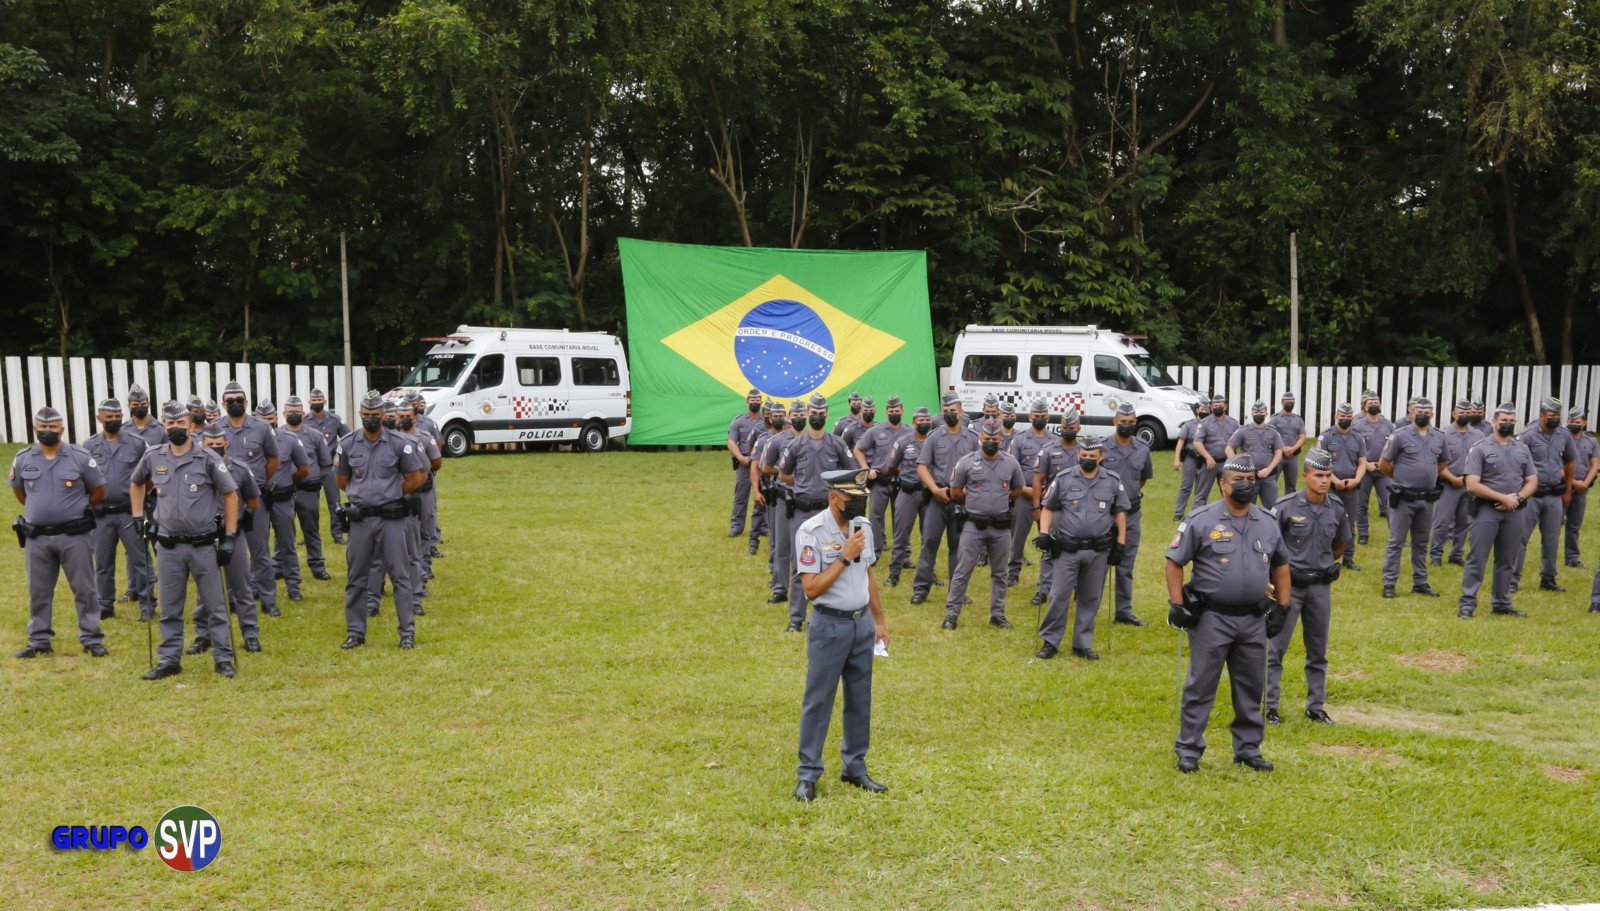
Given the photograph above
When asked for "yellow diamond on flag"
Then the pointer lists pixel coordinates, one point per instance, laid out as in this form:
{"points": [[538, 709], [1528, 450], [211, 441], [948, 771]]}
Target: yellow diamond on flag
{"points": [[783, 340]]}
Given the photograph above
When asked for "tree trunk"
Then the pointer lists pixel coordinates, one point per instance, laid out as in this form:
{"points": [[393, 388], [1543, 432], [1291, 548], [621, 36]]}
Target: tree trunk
{"points": [[726, 173], [1513, 258]]}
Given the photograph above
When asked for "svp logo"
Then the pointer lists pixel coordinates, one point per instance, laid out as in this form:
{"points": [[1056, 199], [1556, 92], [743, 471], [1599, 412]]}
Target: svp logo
{"points": [[188, 838]]}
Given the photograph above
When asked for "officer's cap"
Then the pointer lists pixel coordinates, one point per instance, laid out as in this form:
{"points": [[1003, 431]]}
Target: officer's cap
{"points": [[1008, 408], [1126, 409], [233, 389], [1422, 404], [372, 400], [753, 394], [774, 408], [894, 402], [293, 401], [867, 402], [991, 425], [213, 409], [1258, 405], [1578, 414], [991, 401], [921, 413], [111, 406], [1464, 404], [1550, 404], [1368, 394], [136, 393], [1346, 408], [852, 482], [1091, 444], [818, 402], [1240, 462], [1038, 406], [1505, 408], [797, 406], [47, 415], [1286, 397], [265, 407], [855, 396], [949, 398], [214, 431], [390, 406], [193, 403], [1218, 399], [318, 394], [1201, 405], [1320, 459], [1070, 415], [173, 411], [1477, 404]]}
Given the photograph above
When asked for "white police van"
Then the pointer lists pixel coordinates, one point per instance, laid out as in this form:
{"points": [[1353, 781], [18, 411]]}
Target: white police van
{"points": [[1091, 369], [486, 385]]}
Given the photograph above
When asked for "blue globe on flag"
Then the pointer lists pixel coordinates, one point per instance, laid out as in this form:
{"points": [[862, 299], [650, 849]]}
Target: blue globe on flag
{"points": [[784, 348]]}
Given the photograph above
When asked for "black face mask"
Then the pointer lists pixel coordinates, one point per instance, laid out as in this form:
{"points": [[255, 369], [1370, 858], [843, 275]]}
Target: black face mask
{"points": [[1552, 422], [48, 437], [294, 419], [855, 409], [1577, 429], [235, 408], [1423, 420], [854, 508], [1087, 465], [1373, 410], [1069, 436], [1217, 412], [177, 436], [1344, 423], [868, 417], [755, 407], [139, 411], [1463, 420], [894, 419], [779, 423], [1505, 428], [407, 423], [1008, 423], [316, 407], [113, 427], [1040, 423], [1288, 409], [1477, 419], [1242, 492], [1259, 418], [990, 447], [390, 423], [221, 451], [1125, 431], [951, 419], [817, 420], [924, 427], [371, 422]]}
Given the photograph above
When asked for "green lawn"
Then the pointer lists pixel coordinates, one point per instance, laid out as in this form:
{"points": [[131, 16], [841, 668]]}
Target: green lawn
{"points": [[602, 711]]}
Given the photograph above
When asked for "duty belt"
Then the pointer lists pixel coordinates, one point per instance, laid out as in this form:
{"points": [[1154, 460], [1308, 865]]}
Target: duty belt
{"points": [[312, 486], [277, 494], [1247, 609], [79, 526], [839, 614], [394, 510], [1071, 545], [171, 541], [104, 510], [1557, 489], [985, 522], [1431, 495], [1307, 578], [810, 505]]}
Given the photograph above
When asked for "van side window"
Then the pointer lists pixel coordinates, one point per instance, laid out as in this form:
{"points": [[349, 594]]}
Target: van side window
{"points": [[1056, 369], [990, 368], [1110, 371], [539, 371], [595, 371], [489, 372]]}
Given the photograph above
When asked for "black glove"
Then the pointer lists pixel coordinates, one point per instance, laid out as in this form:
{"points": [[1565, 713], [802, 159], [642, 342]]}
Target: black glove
{"points": [[1333, 573], [1277, 616], [1045, 543], [146, 528], [1117, 553], [225, 549], [247, 519], [1181, 617]]}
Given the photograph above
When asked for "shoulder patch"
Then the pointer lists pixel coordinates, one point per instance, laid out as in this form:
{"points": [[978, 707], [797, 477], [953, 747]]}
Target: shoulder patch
{"points": [[407, 449]]}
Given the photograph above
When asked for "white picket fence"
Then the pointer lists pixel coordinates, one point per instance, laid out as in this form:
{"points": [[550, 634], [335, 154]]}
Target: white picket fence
{"points": [[77, 385]]}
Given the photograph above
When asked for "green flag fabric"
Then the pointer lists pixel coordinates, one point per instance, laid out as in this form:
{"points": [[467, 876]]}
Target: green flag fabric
{"points": [[708, 324]]}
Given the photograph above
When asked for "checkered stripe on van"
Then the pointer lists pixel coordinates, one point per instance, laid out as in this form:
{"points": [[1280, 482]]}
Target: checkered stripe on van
{"points": [[529, 406], [1060, 401]]}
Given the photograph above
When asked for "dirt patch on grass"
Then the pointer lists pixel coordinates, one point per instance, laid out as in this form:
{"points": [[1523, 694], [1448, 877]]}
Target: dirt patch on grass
{"points": [[1485, 883], [1352, 674], [1449, 662], [1355, 749], [1384, 716], [1563, 773]]}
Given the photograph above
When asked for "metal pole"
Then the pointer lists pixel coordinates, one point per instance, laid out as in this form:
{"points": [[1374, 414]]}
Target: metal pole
{"points": [[344, 291], [1294, 304]]}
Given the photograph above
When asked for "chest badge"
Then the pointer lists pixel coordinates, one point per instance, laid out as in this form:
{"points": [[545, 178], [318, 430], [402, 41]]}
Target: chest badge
{"points": [[69, 483]]}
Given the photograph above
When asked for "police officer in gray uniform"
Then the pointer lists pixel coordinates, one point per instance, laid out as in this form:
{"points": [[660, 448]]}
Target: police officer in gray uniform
{"points": [[780, 523], [760, 486], [57, 484], [1210, 441], [835, 552], [1501, 476], [327, 422], [1129, 458], [874, 447], [1237, 551], [423, 426], [142, 423], [1054, 459], [1585, 469], [911, 500], [1292, 428], [813, 452], [237, 572], [1347, 446], [1376, 429], [1414, 459], [1025, 446], [1265, 448], [1555, 456], [1316, 532], [1084, 524], [253, 444], [1450, 513], [986, 483], [192, 490], [942, 519], [294, 466], [376, 468], [851, 419], [116, 453], [739, 431], [1187, 460], [406, 418], [866, 419], [308, 490]]}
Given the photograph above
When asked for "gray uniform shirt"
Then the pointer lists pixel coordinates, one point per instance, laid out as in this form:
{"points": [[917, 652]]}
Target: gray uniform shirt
{"points": [[1311, 529], [1457, 442], [153, 433], [818, 543], [189, 487], [251, 444], [1289, 426], [116, 459], [375, 469], [877, 444], [1346, 448], [291, 454], [739, 431], [426, 427], [1233, 556], [903, 460], [1214, 433], [58, 488], [1085, 507], [1501, 468], [1055, 458], [1131, 463], [988, 483], [852, 434], [319, 456], [777, 449], [1025, 446], [943, 450], [248, 488], [844, 423], [808, 457], [329, 424], [1586, 448], [1551, 451], [1416, 457], [1377, 434], [1262, 442]]}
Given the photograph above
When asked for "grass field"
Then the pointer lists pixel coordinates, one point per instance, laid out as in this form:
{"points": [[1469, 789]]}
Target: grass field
{"points": [[602, 711]]}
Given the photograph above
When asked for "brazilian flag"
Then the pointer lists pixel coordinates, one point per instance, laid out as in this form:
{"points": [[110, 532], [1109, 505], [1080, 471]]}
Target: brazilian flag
{"points": [[708, 324]]}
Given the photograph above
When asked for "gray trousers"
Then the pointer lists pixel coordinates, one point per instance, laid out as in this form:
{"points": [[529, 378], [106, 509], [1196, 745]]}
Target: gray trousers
{"points": [[261, 575], [1413, 519], [1544, 515], [1594, 589], [430, 522], [936, 526], [1267, 491], [1449, 522], [241, 593], [1573, 525], [1352, 502], [741, 498], [47, 558], [1022, 519], [907, 507], [1289, 470], [1124, 572], [1502, 532], [1310, 606], [1205, 479], [994, 541], [1240, 644], [375, 572], [878, 504], [111, 531], [797, 592], [1188, 477], [1369, 481], [284, 556], [837, 649], [1082, 574], [175, 566], [330, 491], [758, 525], [308, 510], [780, 556], [384, 540]]}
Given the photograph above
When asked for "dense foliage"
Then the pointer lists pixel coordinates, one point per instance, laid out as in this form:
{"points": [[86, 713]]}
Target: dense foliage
{"points": [[174, 178]]}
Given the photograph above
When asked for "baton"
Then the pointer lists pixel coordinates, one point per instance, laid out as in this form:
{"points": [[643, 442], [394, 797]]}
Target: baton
{"points": [[227, 609]]}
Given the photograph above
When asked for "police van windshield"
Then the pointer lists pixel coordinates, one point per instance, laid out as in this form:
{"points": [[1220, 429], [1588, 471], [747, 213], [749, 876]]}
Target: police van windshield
{"points": [[1150, 370], [437, 370]]}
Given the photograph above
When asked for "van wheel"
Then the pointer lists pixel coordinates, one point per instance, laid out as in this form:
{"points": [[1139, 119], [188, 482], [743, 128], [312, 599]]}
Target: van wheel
{"points": [[457, 441], [1152, 434], [593, 437]]}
